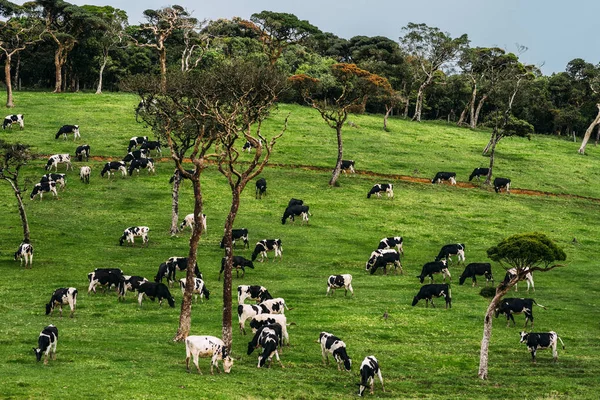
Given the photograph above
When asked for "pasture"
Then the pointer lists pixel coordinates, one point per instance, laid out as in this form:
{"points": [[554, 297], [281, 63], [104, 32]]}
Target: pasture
{"points": [[117, 350]]}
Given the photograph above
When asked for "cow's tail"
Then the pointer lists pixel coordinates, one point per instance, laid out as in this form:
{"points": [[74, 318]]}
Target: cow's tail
{"points": [[558, 337], [539, 305]]}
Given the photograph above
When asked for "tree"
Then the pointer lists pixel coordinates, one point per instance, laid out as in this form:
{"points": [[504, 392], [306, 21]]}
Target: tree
{"points": [[526, 252], [13, 157]]}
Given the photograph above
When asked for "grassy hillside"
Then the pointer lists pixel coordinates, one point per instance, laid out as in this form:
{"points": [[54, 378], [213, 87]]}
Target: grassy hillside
{"points": [[113, 349]]}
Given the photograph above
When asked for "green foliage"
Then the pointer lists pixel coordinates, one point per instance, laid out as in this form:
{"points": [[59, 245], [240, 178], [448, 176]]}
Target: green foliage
{"points": [[526, 250]]}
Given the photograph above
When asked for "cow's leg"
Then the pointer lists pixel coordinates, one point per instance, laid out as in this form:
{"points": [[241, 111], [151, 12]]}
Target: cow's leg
{"points": [[380, 379], [350, 289], [328, 289], [533, 351], [554, 352], [278, 360], [196, 355], [432, 305]]}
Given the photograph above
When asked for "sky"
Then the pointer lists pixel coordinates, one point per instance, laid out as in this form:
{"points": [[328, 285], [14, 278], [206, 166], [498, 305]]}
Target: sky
{"points": [[554, 31]]}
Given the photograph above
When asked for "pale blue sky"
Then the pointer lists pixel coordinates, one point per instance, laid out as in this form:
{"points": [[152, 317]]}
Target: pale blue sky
{"points": [[555, 31]]}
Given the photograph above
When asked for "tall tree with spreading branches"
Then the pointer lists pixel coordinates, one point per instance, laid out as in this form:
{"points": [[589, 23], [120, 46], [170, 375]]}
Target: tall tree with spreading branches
{"points": [[13, 158]]}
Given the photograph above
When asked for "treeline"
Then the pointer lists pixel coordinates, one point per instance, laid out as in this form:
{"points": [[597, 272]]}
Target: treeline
{"points": [[52, 44]]}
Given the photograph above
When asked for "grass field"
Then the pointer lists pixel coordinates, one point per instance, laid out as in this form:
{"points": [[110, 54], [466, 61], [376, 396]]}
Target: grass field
{"points": [[117, 350]]}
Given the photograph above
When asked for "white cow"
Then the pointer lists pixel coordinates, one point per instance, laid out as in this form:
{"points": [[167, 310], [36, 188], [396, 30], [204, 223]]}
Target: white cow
{"points": [[207, 346]]}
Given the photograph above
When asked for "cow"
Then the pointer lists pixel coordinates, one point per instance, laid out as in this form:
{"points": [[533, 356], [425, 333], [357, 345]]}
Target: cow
{"points": [[434, 267], [47, 343], [61, 179], [66, 129], [268, 337], [130, 282], [445, 176], [189, 171], [293, 211], [254, 292], [389, 242], [112, 167], [60, 297], [512, 306], [199, 289], [144, 163], [368, 369], [269, 319], [450, 250], [510, 274], [189, 221], [155, 290], [169, 268], [135, 155], [247, 311], [136, 141], [265, 246], [348, 165], [12, 119], [381, 258], [502, 183], [25, 252], [538, 340], [295, 202], [82, 151], [151, 145], [274, 306], [106, 277], [41, 188], [474, 269], [84, 174], [207, 346], [261, 188], [248, 146], [130, 233], [478, 172], [338, 282], [236, 234], [387, 188], [254, 343], [331, 344], [56, 159], [428, 292]]}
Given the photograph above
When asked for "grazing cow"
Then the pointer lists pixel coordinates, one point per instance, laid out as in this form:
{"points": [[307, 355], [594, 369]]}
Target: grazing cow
{"points": [[112, 167], [60, 297], [257, 293], [106, 277], [25, 252], [47, 343], [331, 344], [388, 243], [199, 289], [84, 174], [82, 151], [512, 306], [41, 188], [154, 290], [388, 188], [261, 188], [207, 346], [144, 163], [293, 211], [434, 267], [502, 183], [266, 245], [135, 155], [12, 119], [451, 250], [270, 319], [368, 369], [189, 171], [151, 145], [130, 282], [248, 146], [56, 159], [338, 282], [348, 165], [130, 233], [247, 311], [510, 274], [66, 129], [478, 172], [169, 268], [275, 306], [474, 269], [268, 337], [295, 202], [428, 292], [381, 258], [61, 179], [445, 176], [189, 221], [237, 234], [254, 343], [136, 141], [538, 340]]}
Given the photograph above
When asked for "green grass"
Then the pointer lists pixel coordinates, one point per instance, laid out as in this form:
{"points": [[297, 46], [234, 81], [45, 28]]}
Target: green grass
{"points": [[116, 350]]}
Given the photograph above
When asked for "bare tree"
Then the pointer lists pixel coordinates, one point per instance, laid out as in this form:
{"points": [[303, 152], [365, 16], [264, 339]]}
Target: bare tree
{"points": [[589, 130], [13, 157]]}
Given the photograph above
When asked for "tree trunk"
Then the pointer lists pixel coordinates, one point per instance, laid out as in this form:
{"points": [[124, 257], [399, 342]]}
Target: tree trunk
{"points": [[487, 333], [163, 68], [227, 273], [175, 202], [493, 141], [23, 215], [99, 88], [9, 93], [419, 102], [475, 119], [589, 131], [388, 110], [17, 72], [463, 114], [597, 136], [338, 165], [472, 106], [58, 70]]}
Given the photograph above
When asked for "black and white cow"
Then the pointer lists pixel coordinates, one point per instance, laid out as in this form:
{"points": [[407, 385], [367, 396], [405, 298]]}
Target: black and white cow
{"points": [[136, 141], [255, 343], [135, 155], [189, 171], [538, 340], [130, 282], [445, 176], [169, 268], [66, 129], [292, 211], [428, 292], [348, 165], [434, 267], [84, 174], [47, 343], [261, 188], [268, 319], [56, 159], [61, 179], [25, 252], [112, 167], [60, 297], [130, 233], [247, 311], [502, 183], [474, 269], [236, 234], [41, 188], [265, 246], [143, 163], [200, 289], [151, 145], [248, 146], [295, 202], [268, 338], [478, 172], [189, 221], [13, 119], [512, 306], [368, 369], [275, 306], [82, 151], [511, 273], [389, 242], [106, 277], [207, 346], [253, 292], [331, 344], [381, 259], [155, 290], [450, 250], [338, 282], [387, 188]]}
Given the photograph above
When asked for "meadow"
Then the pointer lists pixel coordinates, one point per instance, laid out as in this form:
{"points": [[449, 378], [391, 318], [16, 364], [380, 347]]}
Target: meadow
{"points": [[118, 350]]}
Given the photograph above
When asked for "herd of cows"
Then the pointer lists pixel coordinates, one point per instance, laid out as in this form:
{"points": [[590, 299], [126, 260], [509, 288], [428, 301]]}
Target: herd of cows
{"points": [[266, 317]]}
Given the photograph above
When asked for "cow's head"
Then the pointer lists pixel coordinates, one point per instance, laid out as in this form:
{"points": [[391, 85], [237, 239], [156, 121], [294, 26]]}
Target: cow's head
{"points": [[38, 354], [347, 364], [524, 337], [171, 301], [415, 301], [122, 239], [206, 292], [227, 363], [48, 308], [462, 278], [421, 278], [251, 348]]}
